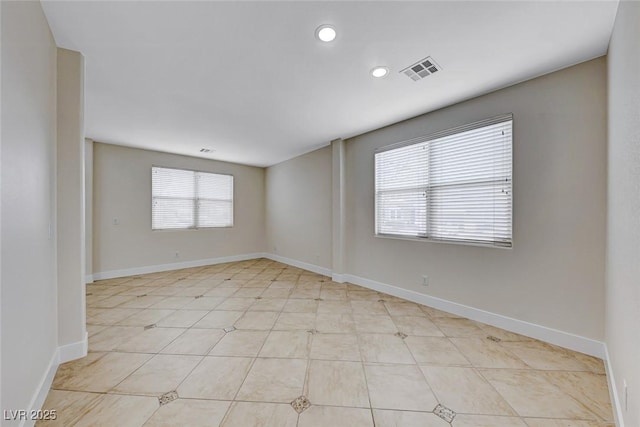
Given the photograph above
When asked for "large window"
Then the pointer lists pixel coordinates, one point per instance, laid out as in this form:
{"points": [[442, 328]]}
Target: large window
{"points": [[451, 186], [190, 199]]}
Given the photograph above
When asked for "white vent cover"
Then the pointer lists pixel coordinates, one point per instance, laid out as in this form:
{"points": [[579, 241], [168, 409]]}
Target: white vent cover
{"points": [[421, 69]]}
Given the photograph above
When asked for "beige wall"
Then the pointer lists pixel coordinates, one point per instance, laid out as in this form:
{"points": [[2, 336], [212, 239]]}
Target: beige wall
{"points": [[298, 208], [71, 201], [623, 225], [122, 191], [554, 275], [29, 300], [88, 208]]}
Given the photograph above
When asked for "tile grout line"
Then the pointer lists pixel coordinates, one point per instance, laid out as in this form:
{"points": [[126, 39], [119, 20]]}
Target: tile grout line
{"points": [[222, 422], [477, 372], [242, 269], [152, 357], [156, 354], [231, 405], [364, 371]]}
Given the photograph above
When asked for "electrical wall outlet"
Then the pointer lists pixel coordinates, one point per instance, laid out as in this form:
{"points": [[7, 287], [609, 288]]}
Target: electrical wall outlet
{"points": [[425, 280]]}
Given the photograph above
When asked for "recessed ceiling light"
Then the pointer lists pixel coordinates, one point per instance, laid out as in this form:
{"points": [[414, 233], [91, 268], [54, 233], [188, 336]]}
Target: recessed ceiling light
{"points": [[379, 72], [326, 33]]}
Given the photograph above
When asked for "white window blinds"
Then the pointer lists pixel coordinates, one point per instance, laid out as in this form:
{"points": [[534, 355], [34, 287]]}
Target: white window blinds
{"points": [[451, 186], [190, 199]]}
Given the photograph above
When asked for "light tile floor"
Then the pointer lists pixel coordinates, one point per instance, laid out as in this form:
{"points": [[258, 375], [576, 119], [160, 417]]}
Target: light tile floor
{"points": [[259, 343]]}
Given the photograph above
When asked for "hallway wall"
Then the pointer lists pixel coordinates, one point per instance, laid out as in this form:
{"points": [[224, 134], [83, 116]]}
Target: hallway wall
{"points": [[29, 294]]}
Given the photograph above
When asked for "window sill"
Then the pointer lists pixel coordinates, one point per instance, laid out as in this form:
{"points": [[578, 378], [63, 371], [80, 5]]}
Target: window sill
{"points": [[190, 229], [448, 242]]}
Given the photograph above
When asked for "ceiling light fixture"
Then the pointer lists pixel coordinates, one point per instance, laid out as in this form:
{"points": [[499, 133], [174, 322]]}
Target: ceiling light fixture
{"points": [[379, 72], [325, 33]]}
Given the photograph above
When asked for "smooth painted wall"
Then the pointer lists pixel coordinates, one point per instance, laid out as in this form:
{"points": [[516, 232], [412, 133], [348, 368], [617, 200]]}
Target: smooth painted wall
{"points": [[88, 208], [298, 208], [70, 181], [122, 191], [29, 299], [554, 275], [623, 205]]}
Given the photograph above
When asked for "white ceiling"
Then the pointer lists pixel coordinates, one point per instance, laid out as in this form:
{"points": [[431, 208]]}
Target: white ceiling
{"points": [[249, 79]]}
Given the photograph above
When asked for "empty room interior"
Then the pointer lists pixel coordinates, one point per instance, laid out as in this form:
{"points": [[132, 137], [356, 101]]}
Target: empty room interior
{"points": [[309, 214]]}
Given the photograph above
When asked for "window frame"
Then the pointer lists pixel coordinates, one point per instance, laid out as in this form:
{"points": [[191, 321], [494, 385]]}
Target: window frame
{"points": [[436, 135], [195, 200]]}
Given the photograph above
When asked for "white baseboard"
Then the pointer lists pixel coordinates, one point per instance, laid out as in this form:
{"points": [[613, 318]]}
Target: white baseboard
{"points": [[42, 390], [173, 266], [88, 278], [613, 391], [73, 351], [553, 336], [339, 278], [300, 264], [543, 333], [62, 354]]}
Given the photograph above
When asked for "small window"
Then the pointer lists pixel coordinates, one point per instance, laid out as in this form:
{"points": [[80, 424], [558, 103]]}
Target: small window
{"points": [[190, 199], [453, 186]]}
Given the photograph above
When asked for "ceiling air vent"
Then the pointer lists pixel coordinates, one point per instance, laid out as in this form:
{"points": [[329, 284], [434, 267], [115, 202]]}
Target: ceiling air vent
{"points": [[421, 69]]}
